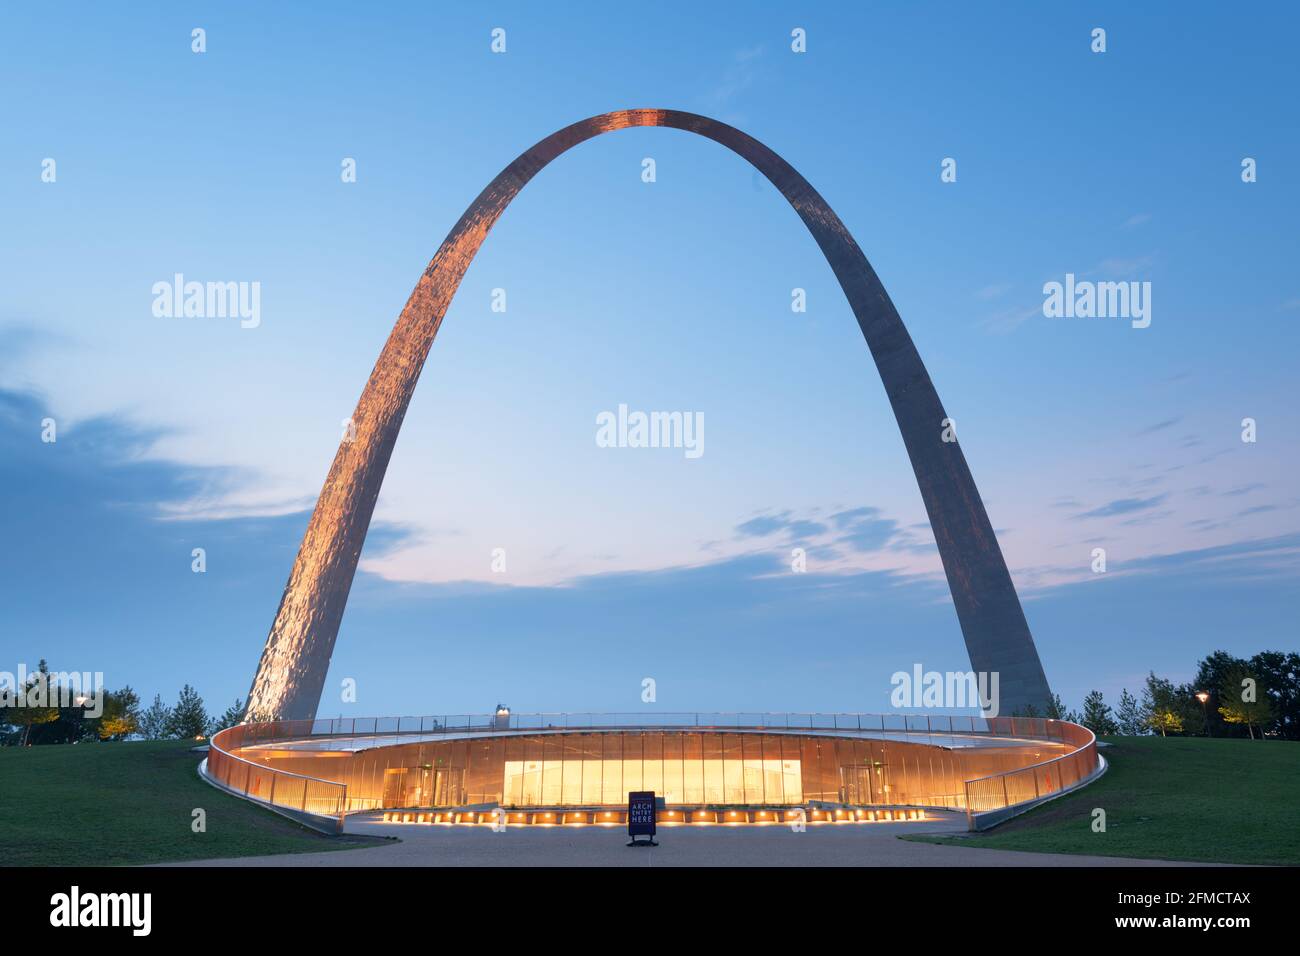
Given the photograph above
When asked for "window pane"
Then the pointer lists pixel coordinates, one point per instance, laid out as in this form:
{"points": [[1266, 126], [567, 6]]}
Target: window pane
{"points": [[674, 786], [612, 770]]}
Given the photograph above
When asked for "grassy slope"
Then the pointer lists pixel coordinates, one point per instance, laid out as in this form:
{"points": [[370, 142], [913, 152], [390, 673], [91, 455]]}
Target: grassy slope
{"points": [[1221, 801], [124, 803]]}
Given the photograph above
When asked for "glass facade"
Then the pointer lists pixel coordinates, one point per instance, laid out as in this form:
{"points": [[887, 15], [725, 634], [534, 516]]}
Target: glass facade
{"points": [[688, 768], [727, 769], [580, 782]]}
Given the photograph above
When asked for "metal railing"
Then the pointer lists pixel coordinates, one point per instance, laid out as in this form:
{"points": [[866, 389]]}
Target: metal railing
{"points": [[982, 795], [280, 788], [635, 720], [1027, 785]]}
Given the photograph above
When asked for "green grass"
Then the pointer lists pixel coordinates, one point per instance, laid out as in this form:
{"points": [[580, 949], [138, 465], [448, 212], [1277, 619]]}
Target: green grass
{"points": [[1213, 801], [112, 804]]}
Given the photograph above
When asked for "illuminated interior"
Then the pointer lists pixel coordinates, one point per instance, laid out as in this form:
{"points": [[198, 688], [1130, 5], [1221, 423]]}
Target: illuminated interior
{"points": [[707, 769], [697, 771], [584, 782]]}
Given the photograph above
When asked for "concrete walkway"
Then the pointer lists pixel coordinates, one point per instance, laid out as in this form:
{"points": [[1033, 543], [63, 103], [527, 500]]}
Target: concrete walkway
{"points": [[868, 844]]}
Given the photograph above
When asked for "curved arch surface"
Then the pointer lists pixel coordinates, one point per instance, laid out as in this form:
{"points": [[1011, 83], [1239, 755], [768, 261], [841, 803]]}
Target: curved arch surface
{"points": [[292, 670]]}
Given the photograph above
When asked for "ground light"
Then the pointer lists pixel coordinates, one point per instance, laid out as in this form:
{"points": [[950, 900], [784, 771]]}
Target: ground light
{"points": [[671, 817]]}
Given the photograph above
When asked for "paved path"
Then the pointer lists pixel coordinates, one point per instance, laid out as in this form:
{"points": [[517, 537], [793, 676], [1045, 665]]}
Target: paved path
{"points": [[868, 844]]}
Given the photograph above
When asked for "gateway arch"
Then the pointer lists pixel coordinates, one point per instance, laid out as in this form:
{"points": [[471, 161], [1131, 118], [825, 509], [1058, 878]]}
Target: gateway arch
{"points": [[294, 663]]}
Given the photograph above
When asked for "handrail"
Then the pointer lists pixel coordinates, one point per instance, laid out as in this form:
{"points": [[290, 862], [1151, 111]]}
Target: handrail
{"points": [[997, 796], [1032, 766], [307, 794], [680, 713], [896, 722]]}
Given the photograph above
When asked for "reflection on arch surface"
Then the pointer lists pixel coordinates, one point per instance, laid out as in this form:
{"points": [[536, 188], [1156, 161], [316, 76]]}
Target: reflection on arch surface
{"points": [[296, 658]]}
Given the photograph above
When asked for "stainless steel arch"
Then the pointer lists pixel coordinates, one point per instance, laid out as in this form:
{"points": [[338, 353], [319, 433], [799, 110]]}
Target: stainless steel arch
{"points": [[294, 662]]}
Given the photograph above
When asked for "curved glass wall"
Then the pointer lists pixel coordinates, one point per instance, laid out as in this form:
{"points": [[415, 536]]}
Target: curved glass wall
{"points": [[687, 768]]}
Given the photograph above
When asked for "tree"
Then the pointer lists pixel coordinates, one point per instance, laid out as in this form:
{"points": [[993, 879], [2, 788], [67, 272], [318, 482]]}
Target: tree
{"points": [[121, 716], [156, 721], [188, 717], [1211, 673], [1241, 702], [1097, 716], [1129, 715], [31, 707], [234, 715], [1166, 721], [1279, 676], [1161, 705], [1057, 710], [1194, 714]]}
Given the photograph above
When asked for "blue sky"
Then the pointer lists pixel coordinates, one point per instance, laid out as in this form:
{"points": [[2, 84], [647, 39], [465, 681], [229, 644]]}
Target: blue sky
{"points": [[675, 295]]}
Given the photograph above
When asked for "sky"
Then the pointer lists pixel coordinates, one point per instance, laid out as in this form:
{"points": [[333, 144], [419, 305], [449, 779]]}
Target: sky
{"points": [[178, 433]]}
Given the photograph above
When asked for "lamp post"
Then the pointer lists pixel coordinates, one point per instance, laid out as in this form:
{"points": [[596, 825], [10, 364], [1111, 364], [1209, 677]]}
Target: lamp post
{"points": [[1202, 696]]}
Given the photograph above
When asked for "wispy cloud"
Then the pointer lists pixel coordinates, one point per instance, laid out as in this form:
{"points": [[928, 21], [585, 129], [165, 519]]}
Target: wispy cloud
{"points": [[1256, 509], [1008, 320], [765, 525], [1257, 556], [736, 78], [1160, 426], [995, 291], [1243, 489], [1125, 267], [1121, 506], [864, 529], [20, 341]]}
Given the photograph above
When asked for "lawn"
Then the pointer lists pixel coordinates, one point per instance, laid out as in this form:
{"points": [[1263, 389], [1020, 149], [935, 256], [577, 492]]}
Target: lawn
{"points": [[1220, 801], [95, 804]]}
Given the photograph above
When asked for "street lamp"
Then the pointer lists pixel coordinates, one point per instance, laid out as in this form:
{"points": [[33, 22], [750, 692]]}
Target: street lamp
{"points": [[1203, 696]]}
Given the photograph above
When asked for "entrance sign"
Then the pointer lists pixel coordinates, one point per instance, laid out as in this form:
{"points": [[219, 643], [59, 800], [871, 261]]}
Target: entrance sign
{"points": [[641, 806]]}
